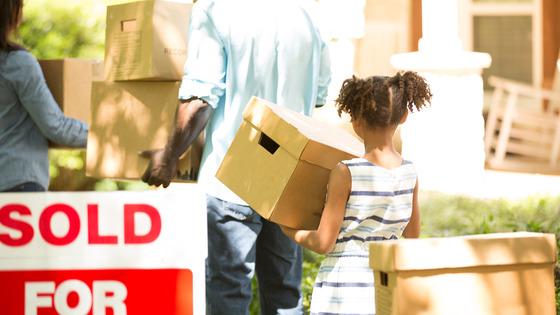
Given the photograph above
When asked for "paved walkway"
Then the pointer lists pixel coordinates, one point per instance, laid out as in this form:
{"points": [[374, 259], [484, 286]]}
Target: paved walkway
{"points": [[499, 184]]}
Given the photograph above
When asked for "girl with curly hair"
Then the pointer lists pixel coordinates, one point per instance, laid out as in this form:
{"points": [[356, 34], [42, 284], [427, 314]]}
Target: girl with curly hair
{"points": [[369, 199]]}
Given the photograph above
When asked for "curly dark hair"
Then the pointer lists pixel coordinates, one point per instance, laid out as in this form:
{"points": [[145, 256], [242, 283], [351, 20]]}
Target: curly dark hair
{"points": [[383, 101]]}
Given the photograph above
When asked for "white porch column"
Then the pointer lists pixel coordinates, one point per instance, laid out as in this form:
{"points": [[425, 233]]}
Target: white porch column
{"points": [[445, 141]]}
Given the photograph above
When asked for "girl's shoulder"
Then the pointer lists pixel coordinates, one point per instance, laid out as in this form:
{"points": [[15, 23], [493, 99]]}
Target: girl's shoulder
{"points": [[356, 162], [363, 165]]}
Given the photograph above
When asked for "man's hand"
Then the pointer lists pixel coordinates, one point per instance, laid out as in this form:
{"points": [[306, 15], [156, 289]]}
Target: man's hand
{"points": [[190, 119], [160, 170]]}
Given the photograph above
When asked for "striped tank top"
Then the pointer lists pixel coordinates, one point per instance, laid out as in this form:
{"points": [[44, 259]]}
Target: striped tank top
{"points": [[379, 208]]}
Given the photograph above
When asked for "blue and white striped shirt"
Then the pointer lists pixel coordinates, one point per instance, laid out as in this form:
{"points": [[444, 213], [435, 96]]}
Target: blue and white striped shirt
{"points": [[379, 208]]}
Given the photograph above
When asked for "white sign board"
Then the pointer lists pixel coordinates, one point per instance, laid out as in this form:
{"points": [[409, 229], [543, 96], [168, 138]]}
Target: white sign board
{"points": [[103, 252]]}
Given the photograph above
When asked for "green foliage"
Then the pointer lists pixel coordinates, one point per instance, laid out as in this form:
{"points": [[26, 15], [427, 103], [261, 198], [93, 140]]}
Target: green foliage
{"points": [[64, 28], [449, 215], [71, 159]]}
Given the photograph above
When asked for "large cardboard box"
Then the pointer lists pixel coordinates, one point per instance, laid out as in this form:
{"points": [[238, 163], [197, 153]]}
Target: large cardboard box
{"points": [[128, 117], [279, 163], [491, 274], [146, 40], [70, 81]]}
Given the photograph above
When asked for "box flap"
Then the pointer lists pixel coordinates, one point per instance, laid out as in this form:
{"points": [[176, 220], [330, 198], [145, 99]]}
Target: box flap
{"points": [[259, 113], [303, 136], [463, 251]]}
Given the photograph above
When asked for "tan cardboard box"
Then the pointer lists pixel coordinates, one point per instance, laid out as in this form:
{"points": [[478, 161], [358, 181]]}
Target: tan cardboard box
{"points": [[491, 274], [279, 163], [128, 117], [69, 81], [146, 40]]}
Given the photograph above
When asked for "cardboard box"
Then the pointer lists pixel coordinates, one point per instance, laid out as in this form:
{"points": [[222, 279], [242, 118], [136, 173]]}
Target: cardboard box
{"points": [[70, 83], [128, 117], [146, 40], [279, 163], [494, 274]]}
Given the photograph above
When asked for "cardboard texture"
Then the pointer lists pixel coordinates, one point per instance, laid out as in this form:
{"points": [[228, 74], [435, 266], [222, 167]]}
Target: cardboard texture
{"points": [[128, 117], [493, 274], [279, 163], [69, 81], [146, 40]]}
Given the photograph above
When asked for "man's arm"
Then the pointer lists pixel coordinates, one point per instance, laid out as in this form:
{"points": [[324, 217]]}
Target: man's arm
{"points": [[190, 119]]}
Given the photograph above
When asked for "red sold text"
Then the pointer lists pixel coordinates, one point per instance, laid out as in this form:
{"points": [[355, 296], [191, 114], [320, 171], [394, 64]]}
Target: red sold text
{"points": [[17, 217]]}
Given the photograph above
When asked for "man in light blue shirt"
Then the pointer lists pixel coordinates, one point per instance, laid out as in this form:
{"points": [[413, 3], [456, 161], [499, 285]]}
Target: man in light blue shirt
{"points": [[272, 49]]}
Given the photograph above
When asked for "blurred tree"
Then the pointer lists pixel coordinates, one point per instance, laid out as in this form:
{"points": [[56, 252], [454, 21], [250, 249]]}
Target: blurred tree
{"points": [[64, 28]]}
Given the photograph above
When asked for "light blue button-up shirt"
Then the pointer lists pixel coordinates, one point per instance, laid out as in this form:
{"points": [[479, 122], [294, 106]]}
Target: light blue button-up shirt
{"points": [[272, 49], [29, 116]]}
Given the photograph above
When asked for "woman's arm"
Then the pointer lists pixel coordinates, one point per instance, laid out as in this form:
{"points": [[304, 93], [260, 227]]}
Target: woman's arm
{"points": [[323, 239], [412, 230], [29, 83]]}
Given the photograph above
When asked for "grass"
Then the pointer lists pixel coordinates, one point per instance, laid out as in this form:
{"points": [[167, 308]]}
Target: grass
{"points": [[455, 215]]}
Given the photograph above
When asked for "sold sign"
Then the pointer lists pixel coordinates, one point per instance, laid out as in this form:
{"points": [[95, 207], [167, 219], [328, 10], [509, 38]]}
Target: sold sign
{"points": [[103, 253]]}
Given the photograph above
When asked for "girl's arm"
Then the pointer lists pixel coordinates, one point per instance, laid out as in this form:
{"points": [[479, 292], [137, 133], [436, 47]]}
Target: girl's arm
{"points": [[412, 229], [323, 239]]}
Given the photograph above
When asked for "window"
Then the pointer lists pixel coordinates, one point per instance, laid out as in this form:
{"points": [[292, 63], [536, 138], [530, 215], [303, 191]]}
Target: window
{"points": [[506, 30]]}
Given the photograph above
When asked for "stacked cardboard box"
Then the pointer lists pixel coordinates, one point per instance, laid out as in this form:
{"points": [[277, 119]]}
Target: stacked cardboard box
{"points": [[501, 273], [146, 40], [279, 162], [133, 108]]}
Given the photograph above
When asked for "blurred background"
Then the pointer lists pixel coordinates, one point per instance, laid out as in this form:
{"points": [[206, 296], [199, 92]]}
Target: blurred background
{"points": [[463, 41], [467, 188]]}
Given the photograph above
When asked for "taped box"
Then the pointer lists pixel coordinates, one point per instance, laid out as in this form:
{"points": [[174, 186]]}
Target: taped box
{"points": [[128, 117], [279, 163], [146, 40], [490, 274]]}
